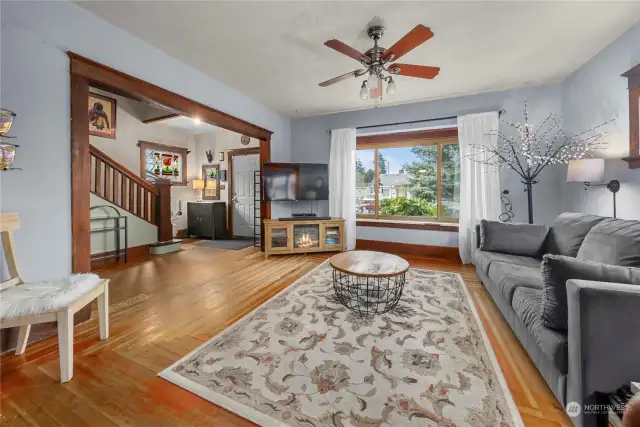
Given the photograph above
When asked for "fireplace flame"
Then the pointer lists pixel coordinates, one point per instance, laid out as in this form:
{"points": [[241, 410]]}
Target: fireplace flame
{"points": [[306, 241]]}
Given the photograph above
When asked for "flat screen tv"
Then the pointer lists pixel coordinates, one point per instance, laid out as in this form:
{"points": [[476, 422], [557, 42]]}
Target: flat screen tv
{"points": [[295, 181]]}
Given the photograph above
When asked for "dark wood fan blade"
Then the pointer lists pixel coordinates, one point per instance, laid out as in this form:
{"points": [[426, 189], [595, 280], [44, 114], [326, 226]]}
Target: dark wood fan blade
{"points": [[340, 78], [377, 92], [419, 71], [413, 39], [345, 49]]}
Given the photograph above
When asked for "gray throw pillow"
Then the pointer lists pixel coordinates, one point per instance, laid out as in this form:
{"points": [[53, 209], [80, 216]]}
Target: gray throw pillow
{"points": [[568, 231], [513, 239], [557, 269], [613, 241]]}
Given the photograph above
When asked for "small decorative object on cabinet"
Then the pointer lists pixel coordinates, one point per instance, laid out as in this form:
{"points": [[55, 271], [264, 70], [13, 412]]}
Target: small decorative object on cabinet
{"points": [[310, 235], [207, 220]]}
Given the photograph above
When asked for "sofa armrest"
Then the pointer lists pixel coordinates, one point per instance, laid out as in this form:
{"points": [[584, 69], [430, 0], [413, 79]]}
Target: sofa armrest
{"points": [[604, 340], [513, 239]]}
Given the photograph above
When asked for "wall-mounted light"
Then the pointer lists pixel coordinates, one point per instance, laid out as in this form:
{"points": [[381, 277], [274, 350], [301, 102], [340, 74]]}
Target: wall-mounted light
{"points": [[196, 121], [221, 156], [590, 171]]}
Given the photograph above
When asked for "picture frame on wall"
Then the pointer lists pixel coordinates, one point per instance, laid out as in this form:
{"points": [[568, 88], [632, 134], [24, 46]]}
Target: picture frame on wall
{"points": [[211, 177], [102, 116]]}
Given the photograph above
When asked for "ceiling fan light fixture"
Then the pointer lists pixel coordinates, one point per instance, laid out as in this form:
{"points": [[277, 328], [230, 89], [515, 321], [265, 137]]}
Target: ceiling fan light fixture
{"points": [[391, 87], [364, 90], [373, 81]]}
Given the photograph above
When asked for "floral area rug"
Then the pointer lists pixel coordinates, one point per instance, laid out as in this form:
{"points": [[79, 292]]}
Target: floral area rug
{"points": [[303, 359]]}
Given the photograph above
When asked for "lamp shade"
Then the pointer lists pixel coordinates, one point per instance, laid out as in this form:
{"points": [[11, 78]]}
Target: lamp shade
{"points": [[197, 184], [211, 184], [586, 170]]}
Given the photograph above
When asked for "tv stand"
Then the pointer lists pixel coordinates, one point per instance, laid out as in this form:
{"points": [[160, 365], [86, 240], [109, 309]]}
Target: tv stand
{"points": [[296, 236]]}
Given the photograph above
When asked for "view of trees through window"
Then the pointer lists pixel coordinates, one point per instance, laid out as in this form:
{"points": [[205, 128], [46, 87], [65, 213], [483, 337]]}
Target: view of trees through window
{"points": [[410, 183]]}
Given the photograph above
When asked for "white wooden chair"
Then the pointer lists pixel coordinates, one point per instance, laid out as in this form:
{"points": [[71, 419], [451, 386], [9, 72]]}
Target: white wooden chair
{"points": [[24, 304]]}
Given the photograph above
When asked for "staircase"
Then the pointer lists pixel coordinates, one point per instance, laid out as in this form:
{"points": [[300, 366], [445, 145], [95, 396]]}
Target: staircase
{"points": [[125, 189]]}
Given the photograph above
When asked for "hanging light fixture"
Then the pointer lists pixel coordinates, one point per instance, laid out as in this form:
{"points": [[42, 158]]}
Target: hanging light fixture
{"points": [[391, 86], [364, 90]]}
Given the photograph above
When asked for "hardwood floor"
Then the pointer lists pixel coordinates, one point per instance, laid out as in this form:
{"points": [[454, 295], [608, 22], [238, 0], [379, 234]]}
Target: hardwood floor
{"points": [[163, 307]]}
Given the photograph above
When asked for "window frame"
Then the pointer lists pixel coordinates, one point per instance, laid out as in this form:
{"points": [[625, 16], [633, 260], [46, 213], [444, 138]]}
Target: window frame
{"points": [[633, 76], [438, 137], [169, 149]]}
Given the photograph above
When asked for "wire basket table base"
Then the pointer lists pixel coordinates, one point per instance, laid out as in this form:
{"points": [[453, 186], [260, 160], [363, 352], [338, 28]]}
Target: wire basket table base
{"points": [[367, 296]]}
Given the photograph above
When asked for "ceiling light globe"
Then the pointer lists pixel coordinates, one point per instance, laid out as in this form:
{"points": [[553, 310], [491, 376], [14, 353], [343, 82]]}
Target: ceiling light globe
{"points": [[364, 91], [391, 87], [373, 80]]}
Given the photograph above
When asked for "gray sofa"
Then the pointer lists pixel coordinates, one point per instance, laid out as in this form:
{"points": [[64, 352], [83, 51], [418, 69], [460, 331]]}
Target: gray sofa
{"points": [[595, 344]]}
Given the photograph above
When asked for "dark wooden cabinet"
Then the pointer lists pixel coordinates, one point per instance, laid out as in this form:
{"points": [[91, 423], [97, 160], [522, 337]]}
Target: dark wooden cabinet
{"points": [[206, 219]]}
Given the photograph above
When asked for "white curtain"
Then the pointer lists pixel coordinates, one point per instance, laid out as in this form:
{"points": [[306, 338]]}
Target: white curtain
{"points": [[479, 184], [342, 181]]}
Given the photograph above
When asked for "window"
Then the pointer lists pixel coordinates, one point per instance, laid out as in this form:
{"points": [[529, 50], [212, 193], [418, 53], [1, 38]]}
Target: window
{"points": [[158, 161], [413, 176]]}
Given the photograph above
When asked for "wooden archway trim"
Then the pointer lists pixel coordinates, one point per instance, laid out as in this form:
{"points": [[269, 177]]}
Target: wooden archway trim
{"points": [[85, 73], [123, 84]]}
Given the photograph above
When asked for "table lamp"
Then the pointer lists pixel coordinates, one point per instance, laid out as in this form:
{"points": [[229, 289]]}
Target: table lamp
{"points": [[198, 184], [589, 171]]}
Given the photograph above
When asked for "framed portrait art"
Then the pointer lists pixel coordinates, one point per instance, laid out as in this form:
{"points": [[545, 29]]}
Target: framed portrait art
{"points": [[102, 116]]}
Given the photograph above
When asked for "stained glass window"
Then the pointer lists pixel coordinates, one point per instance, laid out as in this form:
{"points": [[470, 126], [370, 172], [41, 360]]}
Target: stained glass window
{"points": [[164, 162]]}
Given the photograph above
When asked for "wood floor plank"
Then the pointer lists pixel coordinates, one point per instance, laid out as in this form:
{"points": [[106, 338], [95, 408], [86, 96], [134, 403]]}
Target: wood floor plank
{"points": [[162, 307]]}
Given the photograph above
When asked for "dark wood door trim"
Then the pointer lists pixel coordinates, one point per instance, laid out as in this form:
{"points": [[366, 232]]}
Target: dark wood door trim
{"points": [[84, 73], [230, 155], [80, 176]]}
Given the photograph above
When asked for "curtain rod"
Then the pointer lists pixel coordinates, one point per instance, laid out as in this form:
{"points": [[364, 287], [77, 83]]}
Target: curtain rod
{"points": [[500, 113]]}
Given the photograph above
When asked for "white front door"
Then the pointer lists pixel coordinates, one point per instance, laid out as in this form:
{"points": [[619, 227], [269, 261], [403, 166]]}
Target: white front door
{"points": [[242, 192]]}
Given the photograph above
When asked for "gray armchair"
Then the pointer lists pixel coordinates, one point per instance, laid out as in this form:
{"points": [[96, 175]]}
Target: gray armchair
{"points": [[604, 340]]}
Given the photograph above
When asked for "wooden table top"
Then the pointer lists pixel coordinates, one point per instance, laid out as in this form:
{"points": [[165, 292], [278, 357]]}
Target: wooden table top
{"points": [[369, 264]]}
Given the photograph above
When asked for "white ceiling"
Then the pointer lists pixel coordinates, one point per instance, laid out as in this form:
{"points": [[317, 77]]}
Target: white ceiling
{"points": [[274, 52], [188, 124]]}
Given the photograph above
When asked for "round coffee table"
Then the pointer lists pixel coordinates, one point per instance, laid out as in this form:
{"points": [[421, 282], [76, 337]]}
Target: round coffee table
{"points": [[368, 282]]}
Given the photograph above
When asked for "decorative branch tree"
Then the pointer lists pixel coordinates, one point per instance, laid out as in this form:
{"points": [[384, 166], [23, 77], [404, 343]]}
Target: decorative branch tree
{"points": [[531, 149]]}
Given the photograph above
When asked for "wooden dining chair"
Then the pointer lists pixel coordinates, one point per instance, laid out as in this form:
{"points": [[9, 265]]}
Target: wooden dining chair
{"points": [[25, 304]]}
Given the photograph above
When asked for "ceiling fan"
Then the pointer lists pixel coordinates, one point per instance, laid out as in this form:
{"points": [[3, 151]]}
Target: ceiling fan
{"points": [[376, 61]]}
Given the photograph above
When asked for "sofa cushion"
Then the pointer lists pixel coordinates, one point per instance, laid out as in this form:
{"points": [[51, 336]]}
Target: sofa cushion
{"points": [[557, 269], [513, 239], [526, 303], [507, 277], [568, 232], [613, 241], [485, 258]]}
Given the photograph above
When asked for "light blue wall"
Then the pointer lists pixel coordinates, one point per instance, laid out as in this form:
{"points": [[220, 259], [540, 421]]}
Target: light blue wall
{"points": [[310, 140], [35, 37], [592, 95]]}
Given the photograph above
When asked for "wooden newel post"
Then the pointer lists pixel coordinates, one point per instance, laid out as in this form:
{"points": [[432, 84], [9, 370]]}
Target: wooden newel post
{"points": [[163, 210]]}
